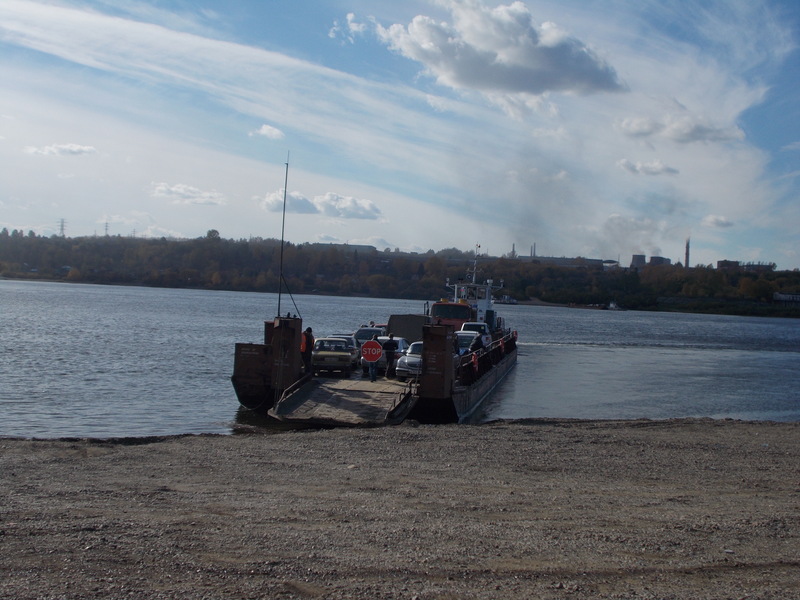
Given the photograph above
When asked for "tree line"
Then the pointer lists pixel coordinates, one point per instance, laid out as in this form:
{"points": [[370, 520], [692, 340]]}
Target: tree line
{"points": [[212, 262]]}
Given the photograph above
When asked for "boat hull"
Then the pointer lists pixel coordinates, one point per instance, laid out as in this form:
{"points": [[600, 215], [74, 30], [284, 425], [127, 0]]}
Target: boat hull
{"points": [[465, 402], [261, 372], [468, 400]]}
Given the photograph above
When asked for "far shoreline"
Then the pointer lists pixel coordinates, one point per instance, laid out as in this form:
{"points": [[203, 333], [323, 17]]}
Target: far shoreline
{"points": [[699, 306]]}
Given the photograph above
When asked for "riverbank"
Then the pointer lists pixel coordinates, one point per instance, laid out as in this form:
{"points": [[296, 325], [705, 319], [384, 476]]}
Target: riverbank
{"points": [[546, 509]]}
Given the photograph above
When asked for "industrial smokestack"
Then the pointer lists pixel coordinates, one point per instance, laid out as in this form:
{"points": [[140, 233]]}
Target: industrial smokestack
{"points": [[686, 262]]}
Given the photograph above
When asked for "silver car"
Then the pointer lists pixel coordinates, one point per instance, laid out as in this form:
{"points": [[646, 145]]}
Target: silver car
{"points": [[410, 364]]}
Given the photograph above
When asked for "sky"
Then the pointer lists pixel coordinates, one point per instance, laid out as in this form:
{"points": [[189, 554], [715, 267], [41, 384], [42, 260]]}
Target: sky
{"points": [[594, 128]]}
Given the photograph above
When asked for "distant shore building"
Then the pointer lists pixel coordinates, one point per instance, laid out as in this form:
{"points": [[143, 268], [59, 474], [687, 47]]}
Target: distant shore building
{"points": [[571, 263], [786, 299], [735, 265], [639, 261], [343, 247]]}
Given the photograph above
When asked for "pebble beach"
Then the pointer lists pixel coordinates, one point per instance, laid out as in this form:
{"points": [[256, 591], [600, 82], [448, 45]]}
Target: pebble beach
{"points": [[534, 509]]}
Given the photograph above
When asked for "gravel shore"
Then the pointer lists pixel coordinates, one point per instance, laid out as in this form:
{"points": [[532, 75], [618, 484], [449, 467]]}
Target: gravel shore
{"points": [[544, 509]]}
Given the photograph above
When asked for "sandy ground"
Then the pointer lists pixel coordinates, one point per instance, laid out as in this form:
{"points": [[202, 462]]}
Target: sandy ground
{"points": [[549, 509]]}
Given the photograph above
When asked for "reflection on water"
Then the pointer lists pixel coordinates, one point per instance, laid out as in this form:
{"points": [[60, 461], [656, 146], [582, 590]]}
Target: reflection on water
{"points": [[98, 361]]}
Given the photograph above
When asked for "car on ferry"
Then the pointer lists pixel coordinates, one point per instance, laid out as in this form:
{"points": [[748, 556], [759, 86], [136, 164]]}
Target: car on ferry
{"points": [[481, 329], [352, 345], [331, 354], [478, 326], [464, 339], [367, 332], [409, 366]]}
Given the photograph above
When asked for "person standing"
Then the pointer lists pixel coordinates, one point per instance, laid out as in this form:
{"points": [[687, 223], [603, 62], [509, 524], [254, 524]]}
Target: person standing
{"points": [[373, 366], [390, 352], [307, 349]]}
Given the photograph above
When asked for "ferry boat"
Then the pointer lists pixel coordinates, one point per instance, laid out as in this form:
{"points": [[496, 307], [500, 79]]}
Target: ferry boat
{"points": [[453, 387], [269, 377]]}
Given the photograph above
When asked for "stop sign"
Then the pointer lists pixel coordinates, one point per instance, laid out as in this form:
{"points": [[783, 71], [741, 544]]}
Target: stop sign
{"points": [[371, 351]]}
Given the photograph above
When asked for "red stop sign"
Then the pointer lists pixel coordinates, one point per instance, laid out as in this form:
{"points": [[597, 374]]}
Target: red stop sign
{"points": [[371, 351]]}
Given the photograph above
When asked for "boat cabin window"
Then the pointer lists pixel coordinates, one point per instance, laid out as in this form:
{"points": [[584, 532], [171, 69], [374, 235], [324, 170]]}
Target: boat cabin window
{"points": [[451, 311], [472, 293]]}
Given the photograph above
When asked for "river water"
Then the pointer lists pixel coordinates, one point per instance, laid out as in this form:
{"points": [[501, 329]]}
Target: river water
{"points": [[104, 361]]}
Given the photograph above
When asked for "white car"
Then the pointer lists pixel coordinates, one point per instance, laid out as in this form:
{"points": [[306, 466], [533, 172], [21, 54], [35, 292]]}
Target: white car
{"points": [[410, 364], [478, 326]]}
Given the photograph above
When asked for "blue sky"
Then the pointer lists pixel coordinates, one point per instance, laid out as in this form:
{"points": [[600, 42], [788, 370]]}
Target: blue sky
{"points": [[586, 127]]}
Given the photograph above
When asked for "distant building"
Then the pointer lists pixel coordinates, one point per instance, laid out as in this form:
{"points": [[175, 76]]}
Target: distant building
{"points": [[638, 261], [735, 265], [728, 265], [571, 263], [343, 247], [657, 261], [787, 299]]}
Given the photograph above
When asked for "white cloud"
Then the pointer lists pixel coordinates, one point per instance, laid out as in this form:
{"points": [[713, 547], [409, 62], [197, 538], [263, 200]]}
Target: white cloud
{"points": [[328, 204], [295, 203], [640, 126], [268, 131], [181, 193], [346, 207], [500, 52], [349, 31], [60, 150]]}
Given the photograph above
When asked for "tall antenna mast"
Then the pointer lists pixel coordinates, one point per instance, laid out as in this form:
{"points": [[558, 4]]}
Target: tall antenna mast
{"points": [[283, 228]]}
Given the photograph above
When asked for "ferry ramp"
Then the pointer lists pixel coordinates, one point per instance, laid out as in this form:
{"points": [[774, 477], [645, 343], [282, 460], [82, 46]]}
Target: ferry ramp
{"points": [[346, 402]]}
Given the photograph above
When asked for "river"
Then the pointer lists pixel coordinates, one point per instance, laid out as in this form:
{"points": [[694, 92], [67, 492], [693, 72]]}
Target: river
{"points": [[107, 361]]}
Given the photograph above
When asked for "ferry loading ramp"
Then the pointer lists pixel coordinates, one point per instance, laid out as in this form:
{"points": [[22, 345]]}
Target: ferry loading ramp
{"points": [[346, 402]]}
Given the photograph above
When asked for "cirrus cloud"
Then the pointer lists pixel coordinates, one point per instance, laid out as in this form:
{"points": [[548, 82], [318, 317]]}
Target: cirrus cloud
{"points": [[682, 129], [60, 150], [181, 193]]}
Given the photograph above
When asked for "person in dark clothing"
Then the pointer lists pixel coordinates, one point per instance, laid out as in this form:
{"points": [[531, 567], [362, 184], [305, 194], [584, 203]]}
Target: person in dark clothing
{"points": [[477, 344], [306, 349], [373, 366], [390, 351]]}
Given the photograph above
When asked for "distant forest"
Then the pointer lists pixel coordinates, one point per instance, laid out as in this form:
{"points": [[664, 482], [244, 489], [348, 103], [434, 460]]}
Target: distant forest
{"points": [[212, 262]]}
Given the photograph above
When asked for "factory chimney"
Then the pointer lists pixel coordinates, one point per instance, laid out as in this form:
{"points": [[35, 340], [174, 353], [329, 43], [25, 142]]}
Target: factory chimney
{"points": [[686, 262]]}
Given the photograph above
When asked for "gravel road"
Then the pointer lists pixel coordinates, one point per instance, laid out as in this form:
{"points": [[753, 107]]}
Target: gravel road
{"points": [[538, 509]]}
